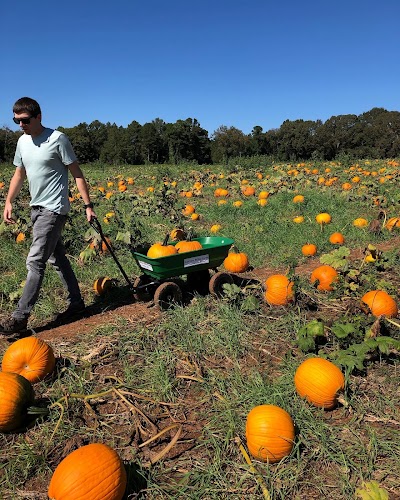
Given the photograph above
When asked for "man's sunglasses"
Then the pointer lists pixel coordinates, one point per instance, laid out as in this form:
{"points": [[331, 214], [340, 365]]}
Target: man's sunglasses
{"points": [[25, 121]]}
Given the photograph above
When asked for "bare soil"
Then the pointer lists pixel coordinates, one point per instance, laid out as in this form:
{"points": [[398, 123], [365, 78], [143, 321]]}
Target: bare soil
{"points": [[146, 313]]}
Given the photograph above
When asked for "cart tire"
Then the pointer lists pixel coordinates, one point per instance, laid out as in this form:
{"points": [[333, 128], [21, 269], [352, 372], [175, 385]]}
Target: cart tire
{"points": [[167, 295], [217, 281], [142, 294], [198, 281]]}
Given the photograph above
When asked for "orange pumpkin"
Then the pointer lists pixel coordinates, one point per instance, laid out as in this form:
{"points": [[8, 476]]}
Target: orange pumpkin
{"points": [[319, 381], [380, 303], [91, 471], [188, 210], [101, 285], [30, 357], [20, 237], [269, 433], [279, 290], [16, 395], [188, 246], [324, 275], [235, 261], [177, 234], [104, 247], [360, 222], [159, 249], [248, 191], [336, 238], [323, 218], [309, 249], [392, 222], [299, 198]]}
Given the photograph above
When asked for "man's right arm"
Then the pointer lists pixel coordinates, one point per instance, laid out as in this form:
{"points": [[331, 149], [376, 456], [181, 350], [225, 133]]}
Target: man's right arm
{"points": [[15, 187]]}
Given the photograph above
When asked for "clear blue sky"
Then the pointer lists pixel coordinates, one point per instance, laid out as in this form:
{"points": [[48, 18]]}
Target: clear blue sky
{"points": [[227, 62]]}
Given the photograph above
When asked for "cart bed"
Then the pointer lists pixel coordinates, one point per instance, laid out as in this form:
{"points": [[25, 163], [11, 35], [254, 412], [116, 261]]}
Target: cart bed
{"points": [[212, 255]]}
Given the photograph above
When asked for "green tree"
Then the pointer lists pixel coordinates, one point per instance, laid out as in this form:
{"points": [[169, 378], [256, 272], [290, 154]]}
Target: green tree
{"points": [[153, 141], [8, 143], [187, 141], [228, 143]]}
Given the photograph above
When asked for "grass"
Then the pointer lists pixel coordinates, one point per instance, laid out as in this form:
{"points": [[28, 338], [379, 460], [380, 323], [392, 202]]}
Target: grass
{"points": [[202, 367]]}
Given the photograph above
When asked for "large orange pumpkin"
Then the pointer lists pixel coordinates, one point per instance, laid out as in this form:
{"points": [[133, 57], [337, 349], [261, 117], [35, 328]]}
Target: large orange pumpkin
{"points": [[319, 381], [279, 290], [236, 262], [269, 433], [159, 249], [325, 275], [16, 395], [92, 472], [31, 357], [188, 246], [380, 303]]}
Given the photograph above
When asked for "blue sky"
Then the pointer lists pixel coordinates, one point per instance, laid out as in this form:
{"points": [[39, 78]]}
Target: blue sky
{"points": [[233, 63]]}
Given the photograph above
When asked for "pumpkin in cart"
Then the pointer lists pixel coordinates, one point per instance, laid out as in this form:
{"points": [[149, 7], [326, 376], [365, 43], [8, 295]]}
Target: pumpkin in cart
{"points": [[16, 396], [30, 357], [92, 472], [159, 249], [319, 381], [269, 433], [188, 246]]}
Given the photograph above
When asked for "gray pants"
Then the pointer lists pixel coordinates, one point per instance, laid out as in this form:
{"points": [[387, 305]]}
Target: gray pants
{"points": [[46, 247]]}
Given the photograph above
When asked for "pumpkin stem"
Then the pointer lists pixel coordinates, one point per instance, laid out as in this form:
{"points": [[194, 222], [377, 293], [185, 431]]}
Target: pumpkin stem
{"points": [[393, 322], [234, 249], [165, 241]]}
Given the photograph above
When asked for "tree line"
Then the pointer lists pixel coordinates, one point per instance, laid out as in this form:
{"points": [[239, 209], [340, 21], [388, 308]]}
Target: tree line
{"points": [[374, 134]]}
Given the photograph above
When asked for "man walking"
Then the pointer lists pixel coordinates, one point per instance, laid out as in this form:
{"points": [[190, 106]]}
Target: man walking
{"points": [[45, 157]]}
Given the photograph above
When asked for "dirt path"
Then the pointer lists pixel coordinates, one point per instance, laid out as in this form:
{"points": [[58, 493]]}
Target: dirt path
{"points": [[145, 314]]}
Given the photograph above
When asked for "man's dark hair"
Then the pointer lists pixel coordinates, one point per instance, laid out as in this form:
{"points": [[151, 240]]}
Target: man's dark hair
{"points": [[27, 105]]}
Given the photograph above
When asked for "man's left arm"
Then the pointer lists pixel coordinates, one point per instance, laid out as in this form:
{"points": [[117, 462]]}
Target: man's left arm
{"points": [[82, 186]]}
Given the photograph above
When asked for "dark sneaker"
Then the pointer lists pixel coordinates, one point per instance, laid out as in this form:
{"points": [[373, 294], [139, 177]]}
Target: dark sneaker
{"points": [[13, 325], [72, 311]]}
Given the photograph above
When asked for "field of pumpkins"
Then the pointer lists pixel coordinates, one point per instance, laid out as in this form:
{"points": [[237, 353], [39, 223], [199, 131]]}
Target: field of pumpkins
{"points": [[242, 338]]}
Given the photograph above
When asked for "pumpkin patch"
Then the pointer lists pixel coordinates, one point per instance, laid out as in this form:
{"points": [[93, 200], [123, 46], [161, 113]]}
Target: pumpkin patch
{"points": [[170, 387]]}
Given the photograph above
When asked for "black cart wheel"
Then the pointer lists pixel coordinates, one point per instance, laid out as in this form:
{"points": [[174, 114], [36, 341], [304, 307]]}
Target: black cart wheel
{"points": [[143, 289], [217, 281], [167, 295]]}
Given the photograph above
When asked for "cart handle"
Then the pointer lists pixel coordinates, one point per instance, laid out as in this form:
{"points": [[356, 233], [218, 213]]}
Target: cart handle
{"points": [[94, 222]]}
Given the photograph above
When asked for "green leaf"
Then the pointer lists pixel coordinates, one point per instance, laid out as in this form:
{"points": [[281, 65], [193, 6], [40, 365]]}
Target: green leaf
{"points": [[372, 491], [306, 335], [124, 236], [336, 258], [343, 330]]}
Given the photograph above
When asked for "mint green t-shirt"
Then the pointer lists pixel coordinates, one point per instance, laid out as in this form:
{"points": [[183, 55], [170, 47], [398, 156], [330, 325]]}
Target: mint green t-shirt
{"points": [[46, 159]]}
